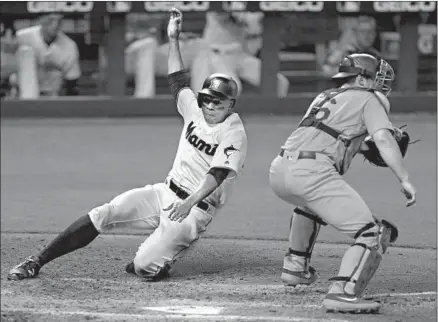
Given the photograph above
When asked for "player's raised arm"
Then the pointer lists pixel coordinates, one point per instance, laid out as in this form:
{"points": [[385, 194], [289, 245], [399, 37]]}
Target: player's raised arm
{"points": [[175, 62], [178, 77]]}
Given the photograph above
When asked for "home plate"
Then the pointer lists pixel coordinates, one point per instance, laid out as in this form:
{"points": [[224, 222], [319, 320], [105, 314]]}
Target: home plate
{"points": [[189, 309]]}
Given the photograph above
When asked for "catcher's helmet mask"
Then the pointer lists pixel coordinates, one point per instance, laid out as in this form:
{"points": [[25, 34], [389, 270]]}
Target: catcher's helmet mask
{"points": [[370, 67], [220, 86]]}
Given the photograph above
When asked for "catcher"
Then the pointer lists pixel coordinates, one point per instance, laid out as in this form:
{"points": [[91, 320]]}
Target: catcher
{"points": [[341, 122]]}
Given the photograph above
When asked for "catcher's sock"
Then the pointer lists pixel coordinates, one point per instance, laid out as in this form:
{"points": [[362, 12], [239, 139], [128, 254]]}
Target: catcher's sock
{"points": [[77, 235]]}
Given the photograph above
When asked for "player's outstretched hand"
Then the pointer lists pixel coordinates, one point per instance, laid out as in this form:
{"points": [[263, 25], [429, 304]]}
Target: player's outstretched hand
{"points": [[410, 193], [178, 211], [175, 24]]}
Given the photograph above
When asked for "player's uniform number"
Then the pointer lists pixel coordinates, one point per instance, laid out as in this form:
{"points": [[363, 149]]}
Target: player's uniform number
{"points": [[316, 113]]}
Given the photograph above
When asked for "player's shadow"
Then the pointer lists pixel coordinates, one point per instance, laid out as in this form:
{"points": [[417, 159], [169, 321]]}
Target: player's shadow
{"points": [[226, 260]]}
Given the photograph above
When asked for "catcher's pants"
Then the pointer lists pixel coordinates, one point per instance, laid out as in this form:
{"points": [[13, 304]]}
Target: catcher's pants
{"points": [[317, 186], [142, 208]]}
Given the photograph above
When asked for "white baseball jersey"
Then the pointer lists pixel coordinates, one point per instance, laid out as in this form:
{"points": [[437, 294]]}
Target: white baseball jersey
{"points": [[202, 147], [57, 61]]}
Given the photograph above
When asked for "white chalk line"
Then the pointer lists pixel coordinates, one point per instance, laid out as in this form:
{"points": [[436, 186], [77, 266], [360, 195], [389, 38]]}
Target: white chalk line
{"points": [[195, 315], [189, 302], [166, 317], [401, 294], [187, 309], [243, 286]]}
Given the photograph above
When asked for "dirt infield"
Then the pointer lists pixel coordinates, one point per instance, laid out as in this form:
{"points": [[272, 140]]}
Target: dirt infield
{"points": [[238, 278], [53, 171]]}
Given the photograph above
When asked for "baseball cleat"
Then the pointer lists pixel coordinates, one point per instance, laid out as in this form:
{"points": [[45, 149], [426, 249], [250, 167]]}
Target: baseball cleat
{"points": [[345, 303], [30, 268], [162, 274], [130, 268], [291, 278]]}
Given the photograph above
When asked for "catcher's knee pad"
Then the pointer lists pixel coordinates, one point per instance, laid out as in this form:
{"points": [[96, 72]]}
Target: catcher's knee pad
{"points": [[388, 234], [99, 217], [379, 234], [366, 253]]}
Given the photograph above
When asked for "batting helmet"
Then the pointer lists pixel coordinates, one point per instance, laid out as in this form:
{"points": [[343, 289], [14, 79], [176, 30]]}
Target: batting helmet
{"points": [[218, 85], [368, 66]]}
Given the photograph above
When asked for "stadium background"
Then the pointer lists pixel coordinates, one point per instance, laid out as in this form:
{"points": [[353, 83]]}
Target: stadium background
{"points": [[54, 170], [290, 35]]}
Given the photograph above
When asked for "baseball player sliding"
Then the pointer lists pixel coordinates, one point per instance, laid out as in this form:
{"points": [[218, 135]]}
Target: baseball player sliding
{"points": [[308, 173], [211, 152]]}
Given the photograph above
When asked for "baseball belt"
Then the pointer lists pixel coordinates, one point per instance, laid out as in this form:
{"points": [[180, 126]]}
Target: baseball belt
{"points": [[302, 154], [180, 193]]}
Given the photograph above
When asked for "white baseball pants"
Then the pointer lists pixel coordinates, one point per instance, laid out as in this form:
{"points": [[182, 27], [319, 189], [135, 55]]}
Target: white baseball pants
{"points": [[142, 208]]}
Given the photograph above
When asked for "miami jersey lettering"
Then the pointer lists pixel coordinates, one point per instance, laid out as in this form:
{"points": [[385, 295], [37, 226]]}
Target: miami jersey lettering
{"points": [[198, 143], [202, 147]]}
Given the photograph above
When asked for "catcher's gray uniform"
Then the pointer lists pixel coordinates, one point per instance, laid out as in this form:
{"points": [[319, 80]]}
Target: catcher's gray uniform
{"points": [[308, 173]]}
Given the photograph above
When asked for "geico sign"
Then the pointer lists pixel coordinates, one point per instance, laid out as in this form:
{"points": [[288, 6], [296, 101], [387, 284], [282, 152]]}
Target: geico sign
{"points": [[410, 6], [62, 6], [305, 6], [234, 5], [181, 5]]}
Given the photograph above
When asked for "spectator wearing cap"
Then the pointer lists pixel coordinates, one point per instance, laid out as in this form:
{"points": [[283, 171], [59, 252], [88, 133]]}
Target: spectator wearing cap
{"points": [[359, 38], [48, 60]]}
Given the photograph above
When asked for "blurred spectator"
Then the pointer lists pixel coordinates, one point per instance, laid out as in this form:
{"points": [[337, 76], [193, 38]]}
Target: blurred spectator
{"points": [[228, 45], [225, 50], [140, 51], [147, 51], [48, 60], [360, 37], [252, 24], [8, 46]]}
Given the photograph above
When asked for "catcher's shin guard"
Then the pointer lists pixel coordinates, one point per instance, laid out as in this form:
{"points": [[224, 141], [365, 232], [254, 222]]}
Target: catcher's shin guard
{"points": [[304, 229], [362, 259]]}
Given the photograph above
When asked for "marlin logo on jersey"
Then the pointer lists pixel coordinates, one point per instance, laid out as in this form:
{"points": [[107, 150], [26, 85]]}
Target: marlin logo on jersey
{"points": [[200, 144], [230, 150]]}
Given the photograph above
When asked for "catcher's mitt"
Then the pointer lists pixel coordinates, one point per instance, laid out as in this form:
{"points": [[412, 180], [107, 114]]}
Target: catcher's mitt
{"points": [[372, 153]]}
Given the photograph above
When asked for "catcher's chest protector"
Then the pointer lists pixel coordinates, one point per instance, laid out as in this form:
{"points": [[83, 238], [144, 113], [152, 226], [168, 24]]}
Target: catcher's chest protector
{"points": [[311, 120]]}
